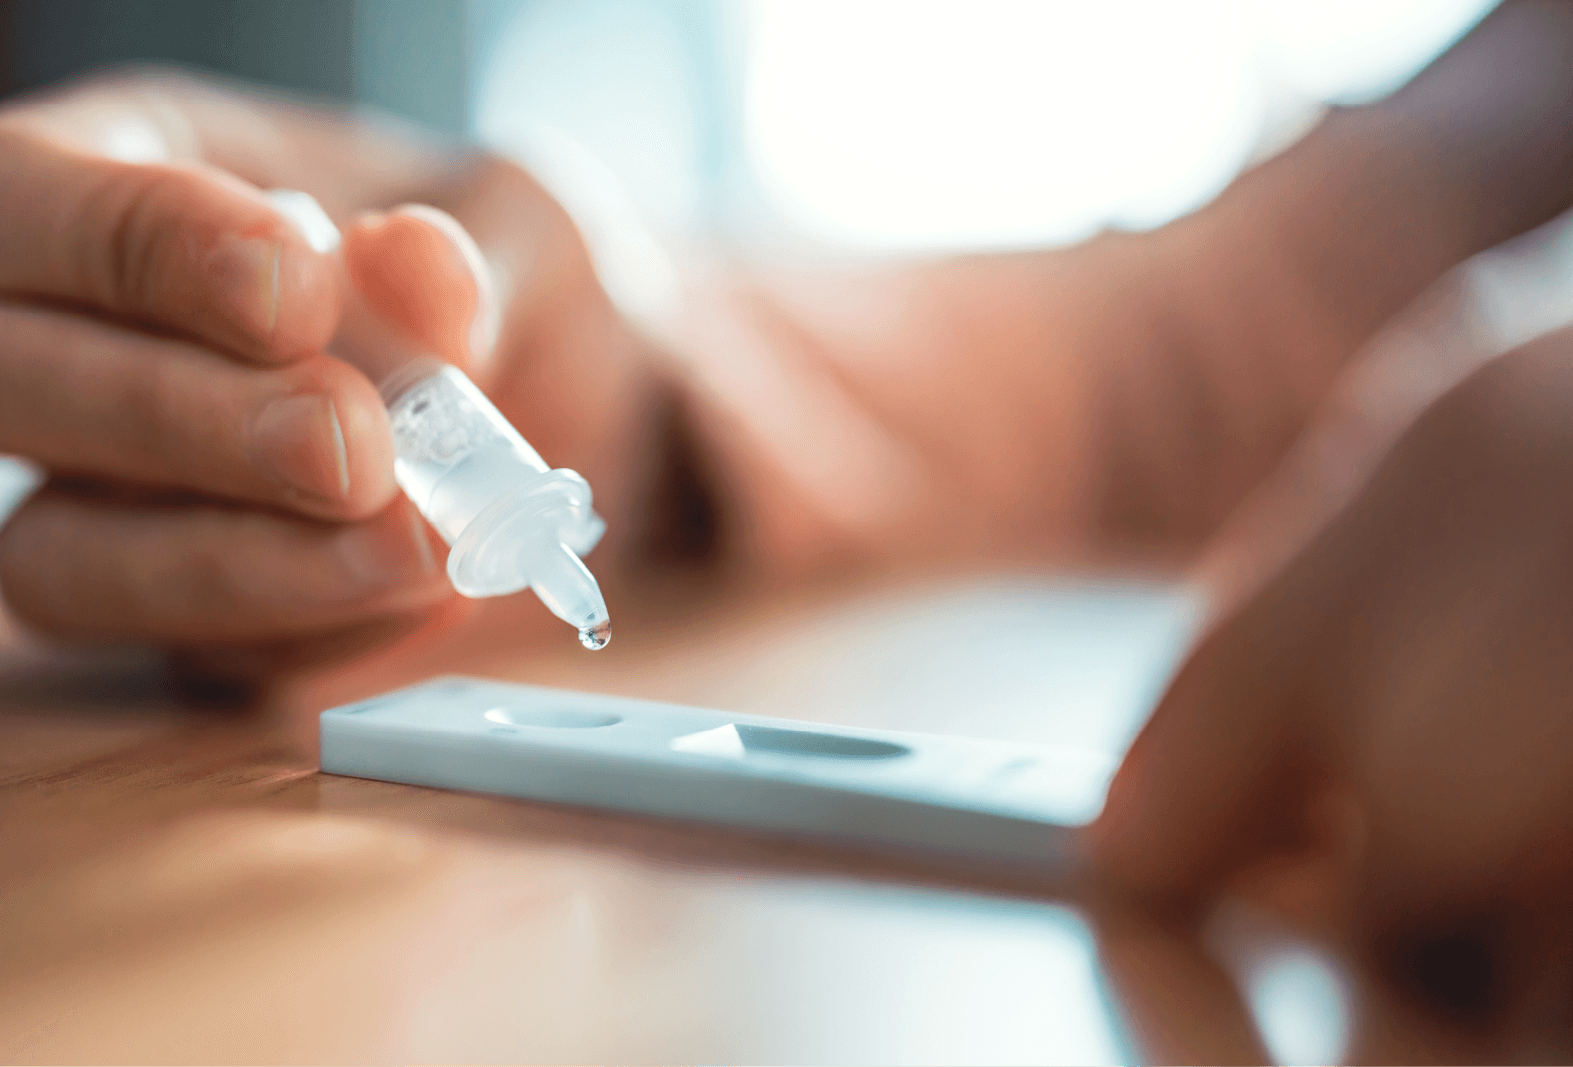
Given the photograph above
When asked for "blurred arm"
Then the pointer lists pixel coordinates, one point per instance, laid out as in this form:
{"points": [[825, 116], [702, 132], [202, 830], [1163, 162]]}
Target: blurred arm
{"points": [[1117, 400], [1257, 301], [1380, 200]]}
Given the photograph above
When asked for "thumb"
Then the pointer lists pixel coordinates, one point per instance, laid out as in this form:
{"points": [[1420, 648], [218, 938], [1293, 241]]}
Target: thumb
{"points": [[418, 271]]}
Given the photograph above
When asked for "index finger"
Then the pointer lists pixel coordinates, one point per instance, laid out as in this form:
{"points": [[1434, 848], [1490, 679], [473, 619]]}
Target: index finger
{"points": [[184, 246]]}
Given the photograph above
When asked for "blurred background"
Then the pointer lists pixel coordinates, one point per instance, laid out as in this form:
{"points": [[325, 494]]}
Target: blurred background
{"points": [[1008, 122], [809, 128]]}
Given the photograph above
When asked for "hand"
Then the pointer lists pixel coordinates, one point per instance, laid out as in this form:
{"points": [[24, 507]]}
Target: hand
{"points": [[217, 478], [1391, 713], [218, 481]]}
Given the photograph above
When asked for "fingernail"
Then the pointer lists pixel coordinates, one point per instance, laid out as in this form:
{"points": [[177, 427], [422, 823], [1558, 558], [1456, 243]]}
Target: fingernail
{"points": [[488, 315], [298, 441], [244, 272], [387, 552], [308, 218]]}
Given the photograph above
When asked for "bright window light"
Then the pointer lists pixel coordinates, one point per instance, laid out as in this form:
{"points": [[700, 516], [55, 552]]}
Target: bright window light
{"points": [[1351, 51], [904, 125]]}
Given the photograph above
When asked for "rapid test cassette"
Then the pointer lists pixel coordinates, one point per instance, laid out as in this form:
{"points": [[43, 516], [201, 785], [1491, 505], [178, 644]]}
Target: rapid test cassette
{"points": [[999, 803]]}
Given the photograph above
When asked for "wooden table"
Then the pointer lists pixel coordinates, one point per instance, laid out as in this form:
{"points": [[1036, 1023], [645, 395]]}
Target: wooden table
{"points": [[181, 884]]}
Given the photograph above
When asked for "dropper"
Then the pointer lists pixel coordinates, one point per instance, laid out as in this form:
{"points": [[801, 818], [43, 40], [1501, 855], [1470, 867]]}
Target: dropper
{"points": [[511, 521]]}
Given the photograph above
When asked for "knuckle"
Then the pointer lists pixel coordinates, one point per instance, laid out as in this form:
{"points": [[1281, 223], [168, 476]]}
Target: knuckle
{"points": [[122, 232], [186, 580], [210, 583], [248, 570]]}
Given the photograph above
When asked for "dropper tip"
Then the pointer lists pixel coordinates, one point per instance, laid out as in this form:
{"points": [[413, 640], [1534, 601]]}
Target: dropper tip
{"points": [[596, 637]]}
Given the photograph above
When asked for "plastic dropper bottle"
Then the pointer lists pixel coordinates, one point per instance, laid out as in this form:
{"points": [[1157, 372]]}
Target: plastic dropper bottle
{"points": [[511, 522]]}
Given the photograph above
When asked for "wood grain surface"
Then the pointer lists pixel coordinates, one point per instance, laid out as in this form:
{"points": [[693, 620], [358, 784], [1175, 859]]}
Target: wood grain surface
{"points": [[178, 883]]}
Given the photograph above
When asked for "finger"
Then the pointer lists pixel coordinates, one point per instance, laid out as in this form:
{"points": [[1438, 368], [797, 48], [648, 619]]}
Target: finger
{"points": [[185, 246], [1213, 779], [422, 288], [560, 335], [85, 569], [79, 395]]}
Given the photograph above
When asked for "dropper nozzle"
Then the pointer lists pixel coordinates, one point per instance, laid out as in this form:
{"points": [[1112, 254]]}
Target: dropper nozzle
{"points": [[565, 585]]}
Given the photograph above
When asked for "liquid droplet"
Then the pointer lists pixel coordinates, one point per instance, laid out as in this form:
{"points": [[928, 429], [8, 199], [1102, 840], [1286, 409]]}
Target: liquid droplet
{"points": [[595, 637]]}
